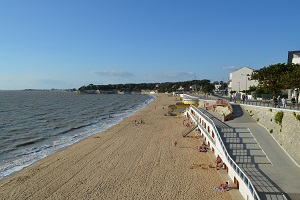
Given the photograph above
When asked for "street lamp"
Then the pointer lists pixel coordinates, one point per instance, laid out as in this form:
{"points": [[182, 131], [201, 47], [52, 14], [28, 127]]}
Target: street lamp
{"points": [[246, 75]]}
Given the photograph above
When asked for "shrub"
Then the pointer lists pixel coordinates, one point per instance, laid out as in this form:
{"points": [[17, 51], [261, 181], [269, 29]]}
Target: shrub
{"points": [[298, 117], [278, 117], [257, 120], [271, 131], [270, 110], [294, 114]]}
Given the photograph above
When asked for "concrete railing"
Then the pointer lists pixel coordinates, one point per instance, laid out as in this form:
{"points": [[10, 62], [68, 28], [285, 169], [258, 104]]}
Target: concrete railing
{"points": [[208, 128]]}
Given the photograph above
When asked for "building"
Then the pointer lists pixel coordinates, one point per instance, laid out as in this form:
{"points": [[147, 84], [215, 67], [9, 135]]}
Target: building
{"points": [[239, 80], [294, 57]]}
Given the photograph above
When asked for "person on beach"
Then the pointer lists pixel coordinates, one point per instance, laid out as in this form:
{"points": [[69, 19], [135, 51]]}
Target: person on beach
{"points": [[219, 163], [222, 186], [142, 121], [202, 149], [175, 143]]}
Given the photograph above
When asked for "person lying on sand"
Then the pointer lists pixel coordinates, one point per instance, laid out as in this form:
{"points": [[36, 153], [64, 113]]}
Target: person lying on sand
{"points": [[202, 149], [222, 186]]}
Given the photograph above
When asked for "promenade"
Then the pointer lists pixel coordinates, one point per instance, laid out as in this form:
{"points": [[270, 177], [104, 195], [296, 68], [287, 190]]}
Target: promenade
{"points": [[271, 170]]}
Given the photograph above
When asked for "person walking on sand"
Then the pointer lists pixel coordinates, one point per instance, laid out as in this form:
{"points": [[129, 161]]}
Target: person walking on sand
{"points": [[175, 143]]}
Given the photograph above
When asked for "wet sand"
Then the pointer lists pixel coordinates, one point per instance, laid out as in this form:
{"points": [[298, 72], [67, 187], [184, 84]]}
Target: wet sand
{"points": [[124, 162]]}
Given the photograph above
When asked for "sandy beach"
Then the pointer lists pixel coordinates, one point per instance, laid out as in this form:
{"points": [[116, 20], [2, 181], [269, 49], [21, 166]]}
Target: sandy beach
{"points": [[126, 161]]}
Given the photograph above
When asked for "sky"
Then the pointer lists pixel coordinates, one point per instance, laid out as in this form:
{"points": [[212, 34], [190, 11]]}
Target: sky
{"points": [[65, 44]]}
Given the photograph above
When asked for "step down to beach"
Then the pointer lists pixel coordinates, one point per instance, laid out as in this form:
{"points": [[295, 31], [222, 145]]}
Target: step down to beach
{"points": [[185, 134]]}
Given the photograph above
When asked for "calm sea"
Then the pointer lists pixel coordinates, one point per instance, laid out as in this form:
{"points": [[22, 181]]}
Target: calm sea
{"points": [[35, 124]]}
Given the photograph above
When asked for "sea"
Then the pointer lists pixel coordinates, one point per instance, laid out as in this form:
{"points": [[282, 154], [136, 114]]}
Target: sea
{"points": [[35, 124]]}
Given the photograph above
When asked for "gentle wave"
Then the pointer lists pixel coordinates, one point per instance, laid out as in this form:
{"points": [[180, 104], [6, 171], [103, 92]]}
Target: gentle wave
{"points": [[45, 130], [28, 143]]}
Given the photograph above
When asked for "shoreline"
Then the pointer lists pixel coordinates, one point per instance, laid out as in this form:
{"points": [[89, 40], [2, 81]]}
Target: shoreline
{"points": [[123, 162], [50, 146]]}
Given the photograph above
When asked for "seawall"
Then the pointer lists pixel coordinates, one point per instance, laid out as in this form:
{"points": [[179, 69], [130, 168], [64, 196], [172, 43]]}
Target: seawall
{"points": [[287, 134]]}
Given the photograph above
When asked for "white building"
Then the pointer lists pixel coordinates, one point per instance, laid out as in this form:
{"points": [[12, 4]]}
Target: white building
{"points": [[239, 80], [294, 57], [217, 87]]}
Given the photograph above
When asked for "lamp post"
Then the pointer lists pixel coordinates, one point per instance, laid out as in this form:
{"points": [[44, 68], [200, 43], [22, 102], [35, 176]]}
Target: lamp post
{"points": [[246, 75]]}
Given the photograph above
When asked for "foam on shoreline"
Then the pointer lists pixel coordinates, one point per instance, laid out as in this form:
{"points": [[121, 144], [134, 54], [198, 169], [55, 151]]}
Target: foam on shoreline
{"points": [[33, 153], [125, 161]]}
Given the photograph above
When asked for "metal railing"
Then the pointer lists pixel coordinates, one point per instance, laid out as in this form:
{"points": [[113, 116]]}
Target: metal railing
{"points": [[264, 102]]}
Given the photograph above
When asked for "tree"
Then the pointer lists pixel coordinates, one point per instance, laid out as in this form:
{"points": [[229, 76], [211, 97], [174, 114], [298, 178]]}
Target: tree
{"points": [[208, 88], [277, 77], [252, 88], [223, 85], [162, 87]]}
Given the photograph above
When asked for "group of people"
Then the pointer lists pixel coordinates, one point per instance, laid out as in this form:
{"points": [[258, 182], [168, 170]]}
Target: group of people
{"points": [[187, 123], [202, 147], [276, 102]]}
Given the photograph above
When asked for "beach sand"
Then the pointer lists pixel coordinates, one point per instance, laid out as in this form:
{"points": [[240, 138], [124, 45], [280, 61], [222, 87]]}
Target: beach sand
{"points": [[124, 162]]}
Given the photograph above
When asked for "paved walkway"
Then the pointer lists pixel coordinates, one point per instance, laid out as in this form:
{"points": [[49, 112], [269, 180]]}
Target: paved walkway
{"points": [[271, 170]]}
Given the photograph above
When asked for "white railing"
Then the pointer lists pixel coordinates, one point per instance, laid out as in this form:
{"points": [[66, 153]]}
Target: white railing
{"points": [[246, 187]]}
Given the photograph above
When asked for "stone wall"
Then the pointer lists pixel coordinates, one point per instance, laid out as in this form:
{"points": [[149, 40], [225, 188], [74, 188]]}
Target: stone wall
{"points": [[223, 108], [287, 134]]}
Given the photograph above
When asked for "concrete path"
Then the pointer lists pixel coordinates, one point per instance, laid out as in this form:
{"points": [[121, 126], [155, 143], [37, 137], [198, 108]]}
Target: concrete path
{"points": [[271, 170]]}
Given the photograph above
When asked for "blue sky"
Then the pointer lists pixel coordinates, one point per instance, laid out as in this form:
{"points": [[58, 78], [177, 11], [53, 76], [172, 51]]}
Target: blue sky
{"points": [[70, 43]]}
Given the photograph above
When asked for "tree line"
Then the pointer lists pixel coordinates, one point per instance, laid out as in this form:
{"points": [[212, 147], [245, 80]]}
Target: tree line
{"points": [[276, 78], [205, 85]]}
